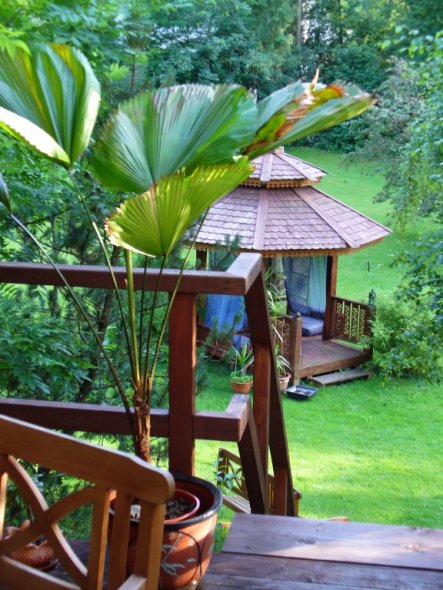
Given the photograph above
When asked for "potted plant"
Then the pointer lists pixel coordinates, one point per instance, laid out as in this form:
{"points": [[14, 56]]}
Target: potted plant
{"points": [[283, 368], [241, 381], [170, 152]]}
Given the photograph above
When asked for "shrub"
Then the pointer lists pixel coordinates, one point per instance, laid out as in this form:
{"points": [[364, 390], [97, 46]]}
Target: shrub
{"points": [[406, 339]]}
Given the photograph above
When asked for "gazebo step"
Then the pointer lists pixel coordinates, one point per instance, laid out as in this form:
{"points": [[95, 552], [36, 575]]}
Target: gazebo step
{"points": [[340, 376]]}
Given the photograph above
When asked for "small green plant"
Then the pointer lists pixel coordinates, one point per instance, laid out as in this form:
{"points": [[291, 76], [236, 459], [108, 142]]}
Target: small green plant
{"points": [[276, 301], [242, 360], [283, 366], [227, 479]]}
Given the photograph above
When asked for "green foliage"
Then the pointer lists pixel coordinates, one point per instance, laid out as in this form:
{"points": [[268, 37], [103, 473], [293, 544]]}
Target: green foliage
{"points": [[49, 98], [423, 276], [407, 123], [408, 334], [407, 338], [242, 360], [40, 357], [239, 378], [179, 148], [283, 366]]}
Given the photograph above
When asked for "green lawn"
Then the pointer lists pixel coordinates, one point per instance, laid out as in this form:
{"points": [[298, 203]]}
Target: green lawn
{"points": [[370, 450]]}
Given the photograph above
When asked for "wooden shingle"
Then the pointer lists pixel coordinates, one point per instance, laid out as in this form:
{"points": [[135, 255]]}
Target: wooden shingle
{"points": [[278, 212]]}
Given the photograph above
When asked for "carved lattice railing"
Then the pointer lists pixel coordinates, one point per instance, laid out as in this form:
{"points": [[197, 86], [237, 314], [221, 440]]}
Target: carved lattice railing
{"points": [[351, 320]]}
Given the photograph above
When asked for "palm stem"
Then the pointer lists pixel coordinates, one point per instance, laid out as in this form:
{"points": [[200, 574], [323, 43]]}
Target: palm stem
{"points": [[146, 371], [172, 297], [133, 351], [142, 311], [109, 265]]}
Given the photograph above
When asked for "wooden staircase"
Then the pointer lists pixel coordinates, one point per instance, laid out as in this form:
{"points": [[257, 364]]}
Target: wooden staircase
{"points": [[340, 377]]}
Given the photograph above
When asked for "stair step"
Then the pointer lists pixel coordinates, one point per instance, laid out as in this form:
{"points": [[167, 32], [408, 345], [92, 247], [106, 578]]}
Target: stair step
{"points": [[340, 376]]}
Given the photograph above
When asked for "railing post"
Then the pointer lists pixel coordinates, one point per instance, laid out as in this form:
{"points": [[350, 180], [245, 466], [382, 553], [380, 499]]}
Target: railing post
{"points": [[262, 386], [182, 365], [296, 345], [273, 429], [331, 289]]}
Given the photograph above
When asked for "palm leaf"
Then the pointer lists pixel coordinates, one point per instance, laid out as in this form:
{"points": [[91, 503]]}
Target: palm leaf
{"points": [[49, 99], [331, 111], [274, 103], [300, 110], [152, 223], [157, 133]]}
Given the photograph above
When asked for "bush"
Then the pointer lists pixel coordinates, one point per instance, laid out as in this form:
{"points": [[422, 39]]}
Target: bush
{"points": [[39, 358], [406, 339]]}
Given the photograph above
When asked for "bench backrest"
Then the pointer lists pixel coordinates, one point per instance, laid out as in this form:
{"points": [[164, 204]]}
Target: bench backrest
{"points": [[111, 476]]}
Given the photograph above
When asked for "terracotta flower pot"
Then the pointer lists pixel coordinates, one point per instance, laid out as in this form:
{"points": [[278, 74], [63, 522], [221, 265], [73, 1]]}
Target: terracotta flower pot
{"points": [[241, 387], [284, 381], [187, 544]]}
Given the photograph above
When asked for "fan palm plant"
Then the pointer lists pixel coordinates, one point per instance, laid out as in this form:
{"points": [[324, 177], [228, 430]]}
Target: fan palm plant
{"points": [[173, 152]]}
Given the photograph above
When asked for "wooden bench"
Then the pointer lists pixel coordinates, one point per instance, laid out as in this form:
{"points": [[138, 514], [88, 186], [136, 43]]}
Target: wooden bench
{"points": [[230, 477], [110, 475]]}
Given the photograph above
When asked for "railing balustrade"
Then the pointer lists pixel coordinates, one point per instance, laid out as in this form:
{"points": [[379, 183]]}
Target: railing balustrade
{"points": [[259, 429], [351, 319]]}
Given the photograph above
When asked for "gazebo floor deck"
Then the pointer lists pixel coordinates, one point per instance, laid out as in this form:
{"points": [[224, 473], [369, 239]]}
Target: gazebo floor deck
{"points": [[324, 356]]}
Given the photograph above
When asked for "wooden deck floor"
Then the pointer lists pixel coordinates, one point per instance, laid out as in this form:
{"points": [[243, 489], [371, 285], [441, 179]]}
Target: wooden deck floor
{"points": [[272, 552], [284, 553], [323, 356]]}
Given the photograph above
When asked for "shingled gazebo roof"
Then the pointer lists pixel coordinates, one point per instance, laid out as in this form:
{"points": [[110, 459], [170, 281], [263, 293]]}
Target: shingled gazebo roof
{"points": [[278, 212]]}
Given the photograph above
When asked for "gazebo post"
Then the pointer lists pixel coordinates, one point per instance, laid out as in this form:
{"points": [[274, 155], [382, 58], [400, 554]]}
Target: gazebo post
{"points": [[331, 289], [202, 259]]}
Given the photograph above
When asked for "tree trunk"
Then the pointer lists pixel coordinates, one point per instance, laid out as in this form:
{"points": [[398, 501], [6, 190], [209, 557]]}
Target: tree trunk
{"points": [[299, 20]]}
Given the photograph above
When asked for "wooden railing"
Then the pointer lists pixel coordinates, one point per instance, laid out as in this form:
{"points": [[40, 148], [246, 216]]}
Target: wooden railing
{"points": [[351, 319], [259, 429]]}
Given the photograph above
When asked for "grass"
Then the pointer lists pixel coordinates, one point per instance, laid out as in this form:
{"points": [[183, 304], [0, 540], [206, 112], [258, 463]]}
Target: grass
{"points": [[370, 450]]}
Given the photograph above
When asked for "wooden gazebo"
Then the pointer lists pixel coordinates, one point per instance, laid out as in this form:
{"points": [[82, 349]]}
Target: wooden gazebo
{"points": [[279, 212]]}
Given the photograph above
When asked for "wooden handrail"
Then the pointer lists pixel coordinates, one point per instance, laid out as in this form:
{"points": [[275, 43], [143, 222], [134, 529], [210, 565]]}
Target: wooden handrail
{"points": [[336, 298], [237, 280], [227, 426]]}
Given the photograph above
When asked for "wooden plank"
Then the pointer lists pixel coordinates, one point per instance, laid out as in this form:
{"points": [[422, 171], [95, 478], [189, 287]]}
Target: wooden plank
{"points": [[336, 541], [341, 377], [262, 382], [236, 280], [295, 359], [254, 475], [18, 575], [323, 356], [280, 491], [182, 366], [229, 571], [225, 426], [113, 469]]}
